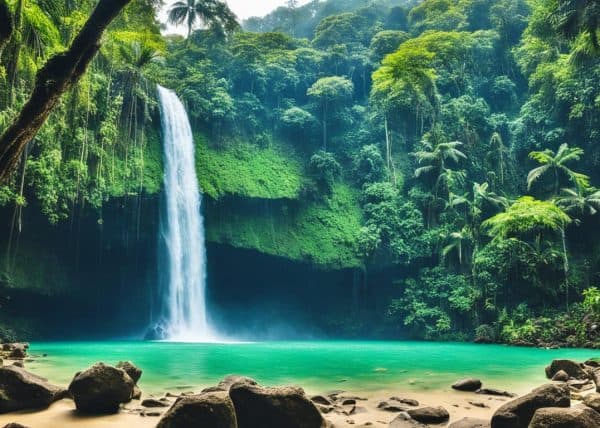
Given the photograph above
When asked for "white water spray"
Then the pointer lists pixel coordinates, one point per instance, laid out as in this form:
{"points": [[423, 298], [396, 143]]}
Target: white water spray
{"points": [[183, 229]]}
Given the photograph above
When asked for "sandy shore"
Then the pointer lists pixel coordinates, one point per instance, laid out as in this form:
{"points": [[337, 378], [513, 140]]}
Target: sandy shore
{"points": [[459, 405]]}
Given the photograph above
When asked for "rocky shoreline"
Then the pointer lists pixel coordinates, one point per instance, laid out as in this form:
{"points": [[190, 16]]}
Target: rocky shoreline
{"points": [[571, 399]]}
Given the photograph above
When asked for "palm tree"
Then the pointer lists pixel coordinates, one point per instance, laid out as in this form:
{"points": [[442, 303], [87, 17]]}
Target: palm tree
{"points": [[498, 151], [556, 163], [459, 242], [213, 13], [573, 17], [579, 204]]}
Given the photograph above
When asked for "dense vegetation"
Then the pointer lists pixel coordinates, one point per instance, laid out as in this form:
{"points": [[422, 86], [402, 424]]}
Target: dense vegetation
{"points": [[453, 144]]}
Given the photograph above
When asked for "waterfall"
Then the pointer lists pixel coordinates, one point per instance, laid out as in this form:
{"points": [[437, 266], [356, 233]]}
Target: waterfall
{"points": [[182, 230]]}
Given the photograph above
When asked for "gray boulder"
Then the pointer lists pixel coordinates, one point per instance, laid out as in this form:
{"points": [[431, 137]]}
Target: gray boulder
{"points": [[101, 389], [574, 417], [287, 407], [212, 409], [519, 412], [21, 390], [470, 423], [469, 384], [570, 367], [429, 415]]}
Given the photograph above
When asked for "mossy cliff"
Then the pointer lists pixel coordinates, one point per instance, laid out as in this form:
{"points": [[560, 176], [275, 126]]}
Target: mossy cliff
{"points": [[253, 201]]}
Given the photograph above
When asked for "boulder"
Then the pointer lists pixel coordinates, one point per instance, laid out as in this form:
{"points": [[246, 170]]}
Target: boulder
{"points": [[14, 425], [131, 369], [403, 420], [429, 415], [470, 423], [101, 389], [287, 407], [560, 376], [592, 401], [212, 409], [573, 417], [21, 390], [570, 367], [518, 413], [229, 381], [137, 393], [469, 384]]}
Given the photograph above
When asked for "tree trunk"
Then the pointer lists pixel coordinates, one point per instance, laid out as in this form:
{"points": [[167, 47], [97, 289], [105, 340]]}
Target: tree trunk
{"points": [[6, 25], [59, 74]]}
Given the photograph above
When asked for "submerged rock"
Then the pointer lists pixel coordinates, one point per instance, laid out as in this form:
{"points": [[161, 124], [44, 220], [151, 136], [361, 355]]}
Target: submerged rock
{"points": [[574, 417], [518, 413], [429, 415], [469, 384], [287, 407], [21, 390], [212, 409], [101, 389]]}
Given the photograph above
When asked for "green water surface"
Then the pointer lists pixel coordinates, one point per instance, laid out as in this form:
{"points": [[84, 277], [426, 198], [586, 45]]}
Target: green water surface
{"points": [[317, 366]]}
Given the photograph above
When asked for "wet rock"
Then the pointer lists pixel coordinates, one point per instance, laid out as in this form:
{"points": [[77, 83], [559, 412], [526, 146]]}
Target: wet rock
{"points": [[21, 390], [403, 420], [429, 415], [288, 407], [469, 384], [570, 367], [153, 403], [560, 376], [325, 409], [131, 369], [519, 412], [470, 423], [213, 409], [408, 401], [574, 417], [101, 389], [495, 392], [592, 363]]}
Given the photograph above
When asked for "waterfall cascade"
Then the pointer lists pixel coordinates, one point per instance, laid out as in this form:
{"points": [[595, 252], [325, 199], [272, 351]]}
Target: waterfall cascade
{"points": [[182, 230]]}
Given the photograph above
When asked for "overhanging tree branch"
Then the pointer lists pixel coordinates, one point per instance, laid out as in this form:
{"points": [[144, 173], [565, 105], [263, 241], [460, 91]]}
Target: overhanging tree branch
{"points": [[59, 74]]}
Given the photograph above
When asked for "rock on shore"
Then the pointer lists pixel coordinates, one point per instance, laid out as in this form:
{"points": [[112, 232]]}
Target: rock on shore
{"points": [[21, 390]]}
